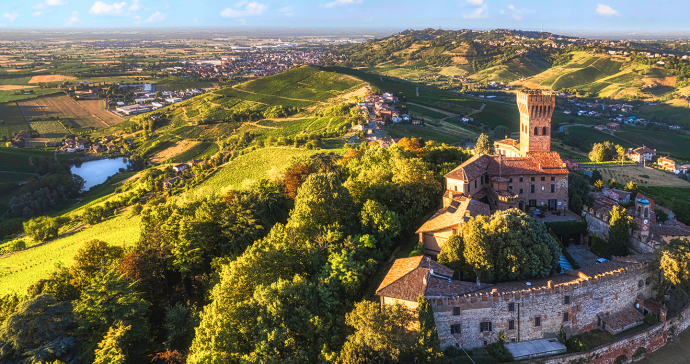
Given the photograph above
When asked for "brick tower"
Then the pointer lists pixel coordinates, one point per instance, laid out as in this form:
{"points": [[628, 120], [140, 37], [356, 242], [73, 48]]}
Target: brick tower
{"points": [[536, 108]]}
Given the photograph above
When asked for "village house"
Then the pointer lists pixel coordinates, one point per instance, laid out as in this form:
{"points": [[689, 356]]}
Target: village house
{"points": [[641, 154], [600, 127], [572, 164], [613, 126], [180, 167], [169, 182]]}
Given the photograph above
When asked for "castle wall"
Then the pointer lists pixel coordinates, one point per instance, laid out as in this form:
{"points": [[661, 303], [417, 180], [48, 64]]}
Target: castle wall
{"points": [[605, 294]]}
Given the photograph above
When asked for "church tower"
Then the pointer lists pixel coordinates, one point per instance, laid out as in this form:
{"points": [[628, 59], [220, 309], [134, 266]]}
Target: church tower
{"points": [[536, 108]]}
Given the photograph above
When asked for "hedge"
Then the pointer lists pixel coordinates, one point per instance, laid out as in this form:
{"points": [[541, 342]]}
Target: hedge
{"points": [[567, 227]]}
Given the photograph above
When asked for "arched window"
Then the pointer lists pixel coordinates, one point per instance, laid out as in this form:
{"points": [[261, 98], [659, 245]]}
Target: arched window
{"points": [[544, 131], [639, 210], [536, 130], [646, 212]]}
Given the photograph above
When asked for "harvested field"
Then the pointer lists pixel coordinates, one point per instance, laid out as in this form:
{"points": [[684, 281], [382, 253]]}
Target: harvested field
{"points": [[175, 149], [13, 87], [50, 78], [83, 114], [41, 70], [641, 175]]}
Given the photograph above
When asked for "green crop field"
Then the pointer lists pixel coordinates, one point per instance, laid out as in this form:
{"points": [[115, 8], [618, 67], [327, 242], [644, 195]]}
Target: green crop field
{"points": [[249, 167], [191, 153], [10, 114], [15, 80], [8, 95], [284, 128], [663, 141], [592, 135], [51, 129], [19, 271], [603, 67]]}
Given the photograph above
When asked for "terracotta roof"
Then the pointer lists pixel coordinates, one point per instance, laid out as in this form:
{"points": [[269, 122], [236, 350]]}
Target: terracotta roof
{"points": [[623, 318], [534, 163], [437, 286], [455, 214], [508, 141], [644, 150], [652, 306], [405, 279], [669, 230]]}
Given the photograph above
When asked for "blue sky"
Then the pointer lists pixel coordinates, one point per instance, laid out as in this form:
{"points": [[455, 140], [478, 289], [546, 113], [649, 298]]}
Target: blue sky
{"points": [[574, 15]]}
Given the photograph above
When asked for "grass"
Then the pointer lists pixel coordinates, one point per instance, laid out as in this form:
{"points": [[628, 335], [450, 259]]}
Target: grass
{"points": [[625, 174], [8, 95], [668, 142], [675, 198], [17, 160], [51, 129], [601, 68], [249, 167], [190, 153], [594, 136], [19, 271]]}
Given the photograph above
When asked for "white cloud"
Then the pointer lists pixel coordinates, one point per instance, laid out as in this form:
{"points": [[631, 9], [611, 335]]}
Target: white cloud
{"points": [[511, 7], [101, 8], [253, 8], [342, 2], [10, 17], [135, 6], [137, 18], [36, 13], [606, 10], [478, 13], [475, 2], [74, 19], [39, 6], [55, 2], [287, 11], [156, 17]]}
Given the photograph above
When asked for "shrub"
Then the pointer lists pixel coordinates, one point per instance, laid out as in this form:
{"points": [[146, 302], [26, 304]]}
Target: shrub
{"points": [[479, 352], [451, 352], [651, 319], [639, 352], [418, 250], [500, 352], [577, 345], [41, 228], [621, 359], [599, 246]]}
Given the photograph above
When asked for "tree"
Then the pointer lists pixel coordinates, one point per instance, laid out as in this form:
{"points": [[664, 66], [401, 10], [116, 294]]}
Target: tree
{"points": [[612, 183], [509, 245], [110, 349], [673, 261], [661, 215], [381, 221], [501, 132], [619, 225], [483, 145], [41, 228], [381, 335], [41, 330], [429, 344], [94, 256], [598, 184], [596, 176], [452, 256], [321, 202], [578, 192], [294, 177], [109, 299], [411, 144], [180, 322], [606, 151], [632, 188], [93, 215]]}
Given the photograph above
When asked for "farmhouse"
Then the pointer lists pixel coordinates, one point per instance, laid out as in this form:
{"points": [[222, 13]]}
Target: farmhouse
{"points": [[640, 154], [180, 167], [135, 109], [525, 174], [613, 126]]}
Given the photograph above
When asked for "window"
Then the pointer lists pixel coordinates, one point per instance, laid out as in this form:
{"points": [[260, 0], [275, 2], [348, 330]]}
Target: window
{"points": [[455, 232], [544, 131], [531, 188], [510, 187], [532, 203], [537, 321], [456, 311], [553, 179], [543, 179], [475, 183], [553, 188], [456, 188], [566, 300], [648, 281], [455, 329], [532, 179], [640, 284], [521, 191], [485, 326], [536, 130], [565, 317], [511, 307], [521, 179], [510, 180], [511, 325]]}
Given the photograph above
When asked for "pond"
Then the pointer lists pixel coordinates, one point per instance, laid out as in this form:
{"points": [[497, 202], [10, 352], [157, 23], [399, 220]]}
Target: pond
{"points": [[96, 172]]}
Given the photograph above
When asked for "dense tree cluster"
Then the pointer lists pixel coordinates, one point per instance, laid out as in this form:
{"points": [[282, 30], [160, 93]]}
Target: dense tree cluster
{"points": [[45, 194], [606, 151]]}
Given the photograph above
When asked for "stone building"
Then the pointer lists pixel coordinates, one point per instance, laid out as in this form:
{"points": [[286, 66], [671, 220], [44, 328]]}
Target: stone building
{"points": [[472, 314], [524, 174]]}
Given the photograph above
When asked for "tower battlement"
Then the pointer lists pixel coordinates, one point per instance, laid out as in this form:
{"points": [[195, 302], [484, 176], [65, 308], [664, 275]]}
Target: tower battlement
{"points": [[536, 108]]}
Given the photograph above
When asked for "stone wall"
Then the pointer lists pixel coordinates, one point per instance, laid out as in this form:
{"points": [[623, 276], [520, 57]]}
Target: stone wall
{"points": [[651, 340], [588, 297], [596, 225]]}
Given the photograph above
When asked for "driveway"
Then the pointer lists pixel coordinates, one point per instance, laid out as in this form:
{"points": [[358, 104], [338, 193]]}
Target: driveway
{"points": [[582, 255]]}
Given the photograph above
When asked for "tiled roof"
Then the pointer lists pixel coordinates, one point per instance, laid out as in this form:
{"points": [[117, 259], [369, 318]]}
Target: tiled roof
{"points": [[644, 150], [534, 163], [652, 306], [669, 230], [443, 287], [508, 141], [405, 279], [623, 318], [455, 214]]}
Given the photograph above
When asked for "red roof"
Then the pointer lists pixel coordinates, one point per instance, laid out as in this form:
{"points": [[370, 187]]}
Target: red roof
{"points": [[455, 214], [534, 163]]}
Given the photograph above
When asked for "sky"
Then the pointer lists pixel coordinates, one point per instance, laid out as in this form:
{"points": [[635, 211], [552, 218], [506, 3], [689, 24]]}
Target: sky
{"points": [[553, 15]]}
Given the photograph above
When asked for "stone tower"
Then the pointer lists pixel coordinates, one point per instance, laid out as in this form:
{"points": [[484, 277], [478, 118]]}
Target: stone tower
{"points": [[536, 108]]}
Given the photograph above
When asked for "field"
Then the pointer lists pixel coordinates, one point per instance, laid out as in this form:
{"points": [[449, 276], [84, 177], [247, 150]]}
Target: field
{"points": [[624, 174], [246, 168], [175, 149], [12, 120], [19, 271], [80, 113], [17, 160], [50, 78], [663, 141], [601, 68], [51, 129], [592, 135], [8, 95]]}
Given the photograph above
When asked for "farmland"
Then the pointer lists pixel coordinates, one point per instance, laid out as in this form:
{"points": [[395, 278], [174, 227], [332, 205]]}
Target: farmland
{"points": [[80, 113], [17, 160], [51, 129], [12, 120], [643, 176]]}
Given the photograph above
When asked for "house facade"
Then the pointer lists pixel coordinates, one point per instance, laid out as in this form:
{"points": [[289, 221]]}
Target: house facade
{"points": [[641, 154]]}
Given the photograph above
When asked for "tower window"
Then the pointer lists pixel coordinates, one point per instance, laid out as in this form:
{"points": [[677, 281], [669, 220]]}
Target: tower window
{"points": [[537, 321], [536, 130], [544, 131]]}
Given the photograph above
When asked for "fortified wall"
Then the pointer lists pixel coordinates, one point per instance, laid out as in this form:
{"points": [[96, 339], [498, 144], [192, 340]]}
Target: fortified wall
{"points": [[573, 300]]}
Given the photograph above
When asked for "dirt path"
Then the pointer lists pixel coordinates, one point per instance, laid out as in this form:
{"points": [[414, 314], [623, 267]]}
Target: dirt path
{"points": [[359, 91], [308, 126], [329, 124], [260, 126], [481, 108]]}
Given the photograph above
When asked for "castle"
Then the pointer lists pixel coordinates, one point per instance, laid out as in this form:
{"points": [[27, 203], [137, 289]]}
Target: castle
{"points": [[524, 174]]}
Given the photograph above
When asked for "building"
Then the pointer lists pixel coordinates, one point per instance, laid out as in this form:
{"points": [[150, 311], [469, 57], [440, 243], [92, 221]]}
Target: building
{"points": [[134, 109], [169, 182], [600, 127], [572, 164], [641, 154], [525, 174], [180, 167], [613, 126], [471, 315]]}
